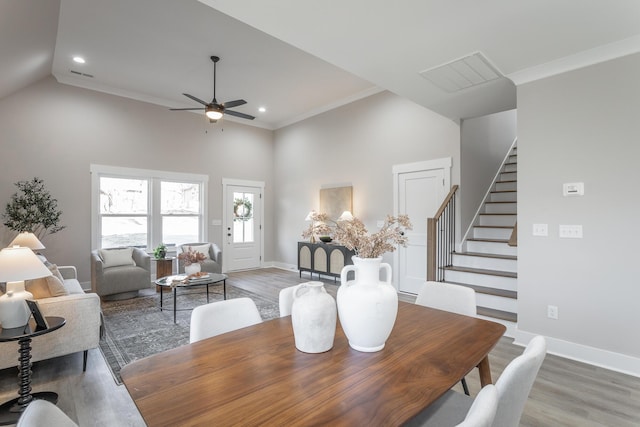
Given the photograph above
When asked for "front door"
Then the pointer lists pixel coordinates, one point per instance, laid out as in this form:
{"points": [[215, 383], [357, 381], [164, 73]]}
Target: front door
{"points": [[419, 195], [243, 228]]}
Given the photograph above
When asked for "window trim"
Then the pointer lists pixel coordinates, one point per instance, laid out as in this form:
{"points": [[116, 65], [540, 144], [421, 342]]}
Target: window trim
{"points": [[154, 177]]}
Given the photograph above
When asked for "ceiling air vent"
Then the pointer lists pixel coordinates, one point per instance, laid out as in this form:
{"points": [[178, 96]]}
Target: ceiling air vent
{"points": [[81, 74], [463, 73]]}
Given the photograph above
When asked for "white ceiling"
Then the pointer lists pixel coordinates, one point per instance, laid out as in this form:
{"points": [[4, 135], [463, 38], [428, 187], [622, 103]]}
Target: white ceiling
{"points": [[299, 58]]}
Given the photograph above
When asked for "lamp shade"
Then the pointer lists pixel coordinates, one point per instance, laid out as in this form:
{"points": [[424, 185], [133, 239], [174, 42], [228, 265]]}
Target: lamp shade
{"points": [[213, 113], [346, 216], [310, 216], [19, 263], [29, 240]]}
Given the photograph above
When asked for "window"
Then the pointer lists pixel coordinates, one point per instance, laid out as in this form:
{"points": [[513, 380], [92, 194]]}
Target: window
{"points": [[243, 217], [134, 207]]}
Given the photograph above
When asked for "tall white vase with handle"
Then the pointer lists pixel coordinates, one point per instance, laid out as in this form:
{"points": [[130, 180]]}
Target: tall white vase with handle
{"points": [[367, 306]]}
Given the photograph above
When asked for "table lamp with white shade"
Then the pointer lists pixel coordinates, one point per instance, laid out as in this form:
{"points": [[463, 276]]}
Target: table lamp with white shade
{"points": [[27, 239], [18, 264]]}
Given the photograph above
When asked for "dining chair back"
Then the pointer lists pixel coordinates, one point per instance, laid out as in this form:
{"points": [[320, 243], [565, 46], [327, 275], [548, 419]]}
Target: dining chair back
{"points": [[219, 317], [286, 300], [448, 297], [516, 381], [41, 412], [483, 409], [513, 389]]}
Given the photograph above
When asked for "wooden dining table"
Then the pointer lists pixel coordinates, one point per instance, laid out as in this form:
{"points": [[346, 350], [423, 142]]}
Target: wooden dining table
{"points": [[255, 375]]}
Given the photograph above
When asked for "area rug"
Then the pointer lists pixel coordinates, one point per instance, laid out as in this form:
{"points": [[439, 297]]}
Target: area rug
{"points": [[136, 328]]}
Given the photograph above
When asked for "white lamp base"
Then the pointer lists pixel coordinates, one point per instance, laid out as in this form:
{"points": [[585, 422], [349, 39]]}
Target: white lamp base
{"points": [[14, 312]]}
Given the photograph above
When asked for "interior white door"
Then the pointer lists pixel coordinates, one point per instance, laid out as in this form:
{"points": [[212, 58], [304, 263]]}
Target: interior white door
{"points": [[243, 228], [420, 194]]}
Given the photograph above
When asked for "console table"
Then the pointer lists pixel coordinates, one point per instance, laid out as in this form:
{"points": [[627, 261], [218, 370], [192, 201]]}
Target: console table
{"points": [[323, 258]]}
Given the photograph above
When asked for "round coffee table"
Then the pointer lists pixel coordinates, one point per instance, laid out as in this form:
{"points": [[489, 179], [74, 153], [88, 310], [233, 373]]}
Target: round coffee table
{"points": [[10, 411], [174, 283]]}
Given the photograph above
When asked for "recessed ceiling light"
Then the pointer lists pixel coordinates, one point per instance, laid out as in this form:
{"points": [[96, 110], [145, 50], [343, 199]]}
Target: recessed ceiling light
{"points": [[262, 109], [79, 59]]}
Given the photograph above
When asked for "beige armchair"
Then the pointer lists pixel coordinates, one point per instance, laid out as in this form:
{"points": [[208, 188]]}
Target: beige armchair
{"points": [[213, 263], [118, 273]]}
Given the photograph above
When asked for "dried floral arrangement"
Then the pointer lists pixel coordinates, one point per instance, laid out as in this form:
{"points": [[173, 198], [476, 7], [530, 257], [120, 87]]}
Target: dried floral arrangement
{"points": [[354, 236], [191, 256]]}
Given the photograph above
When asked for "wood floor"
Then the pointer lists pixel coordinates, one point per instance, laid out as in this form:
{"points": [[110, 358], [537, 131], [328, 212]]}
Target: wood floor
{"points": [[566, 393]]}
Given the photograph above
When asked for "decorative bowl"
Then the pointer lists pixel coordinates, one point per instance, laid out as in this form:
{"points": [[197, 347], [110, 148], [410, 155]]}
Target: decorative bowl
{"points": [[325, 239]]}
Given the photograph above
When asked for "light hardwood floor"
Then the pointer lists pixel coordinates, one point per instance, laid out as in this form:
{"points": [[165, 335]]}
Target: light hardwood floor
{"points": [[566, 393]]}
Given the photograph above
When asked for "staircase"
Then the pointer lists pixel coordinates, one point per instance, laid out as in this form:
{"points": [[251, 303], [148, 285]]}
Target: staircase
{"points": [[488, 264]]}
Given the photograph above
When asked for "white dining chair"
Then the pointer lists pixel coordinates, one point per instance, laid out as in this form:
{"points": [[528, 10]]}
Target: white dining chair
{"points": [[219, 317], [483, 409], [513, 388], [44, 413], [448, 297], [285, 300]]}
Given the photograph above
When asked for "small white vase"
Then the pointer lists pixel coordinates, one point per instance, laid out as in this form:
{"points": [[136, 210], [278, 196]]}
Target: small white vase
{"points": [[14, 312], [367, 307], [193, 268], [313, 315]]}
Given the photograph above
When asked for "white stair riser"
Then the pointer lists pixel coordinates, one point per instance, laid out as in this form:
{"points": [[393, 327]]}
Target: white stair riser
{"points": [[510, 168], [508, 176], [513, 157], [507, 196], [486, 280], [497, 303], [508, 186], [503, 220], [505, 207], [497, 248], [492, 233], [500, 264]]}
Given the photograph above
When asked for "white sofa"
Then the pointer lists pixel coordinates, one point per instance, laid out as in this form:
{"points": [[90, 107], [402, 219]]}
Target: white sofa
{"points": [[81, 331]]}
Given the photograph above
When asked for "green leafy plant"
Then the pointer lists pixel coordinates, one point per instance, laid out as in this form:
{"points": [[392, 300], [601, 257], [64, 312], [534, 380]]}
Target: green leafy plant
{"points": [[160, 251], [33, 209]]}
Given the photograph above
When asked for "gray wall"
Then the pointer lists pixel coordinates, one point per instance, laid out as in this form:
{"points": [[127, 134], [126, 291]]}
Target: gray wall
{"points": [[484, 143], [356, 144], [581, 126], [55, 132]]}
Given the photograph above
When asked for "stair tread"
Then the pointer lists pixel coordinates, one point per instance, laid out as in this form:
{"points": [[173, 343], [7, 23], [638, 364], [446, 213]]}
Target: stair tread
{"points": [[484, 255], [497, 314], [498, 213], [475, 239], [501, 201], [504, 191], [493, 226], [482, 271], [489, 291], [505, 181]]}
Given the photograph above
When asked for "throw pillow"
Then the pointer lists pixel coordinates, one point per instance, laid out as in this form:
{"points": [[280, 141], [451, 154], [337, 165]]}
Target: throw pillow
{"points": [[116, 257], [54, 271], [203, 249], [56, 286], [38, 287]]}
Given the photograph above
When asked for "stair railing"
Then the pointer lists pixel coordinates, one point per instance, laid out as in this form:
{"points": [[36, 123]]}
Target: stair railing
{"points": [[441, 235]]}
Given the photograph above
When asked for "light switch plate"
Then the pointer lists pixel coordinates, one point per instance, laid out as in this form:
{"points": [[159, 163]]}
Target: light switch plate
{"points": [[573, 189], [570, 231], [541, 230]]}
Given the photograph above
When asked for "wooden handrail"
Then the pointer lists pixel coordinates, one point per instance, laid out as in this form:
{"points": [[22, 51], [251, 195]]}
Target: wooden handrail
{"points": [[444, 204], [432, 236]]}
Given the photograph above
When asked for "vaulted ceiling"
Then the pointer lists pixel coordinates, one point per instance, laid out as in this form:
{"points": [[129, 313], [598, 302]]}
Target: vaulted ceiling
{"points": [[297, 59]]}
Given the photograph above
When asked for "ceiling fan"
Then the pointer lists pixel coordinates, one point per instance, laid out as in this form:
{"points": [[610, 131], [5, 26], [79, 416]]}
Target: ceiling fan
{"points": [[214, 110]]}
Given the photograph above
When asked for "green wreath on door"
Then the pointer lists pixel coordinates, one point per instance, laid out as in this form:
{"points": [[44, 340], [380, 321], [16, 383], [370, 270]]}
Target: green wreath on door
{"points": [[242, 209]]}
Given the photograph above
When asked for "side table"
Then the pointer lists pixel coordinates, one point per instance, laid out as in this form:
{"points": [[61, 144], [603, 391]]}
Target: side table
{"points": [[164, 268], [10, 411]]}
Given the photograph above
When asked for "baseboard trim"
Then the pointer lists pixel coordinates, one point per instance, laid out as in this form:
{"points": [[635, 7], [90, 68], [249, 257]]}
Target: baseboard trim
{"points": [[581, 353]]}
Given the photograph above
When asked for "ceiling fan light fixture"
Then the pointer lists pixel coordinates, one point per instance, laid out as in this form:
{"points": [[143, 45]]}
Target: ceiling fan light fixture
{"points": [[213, 113]]}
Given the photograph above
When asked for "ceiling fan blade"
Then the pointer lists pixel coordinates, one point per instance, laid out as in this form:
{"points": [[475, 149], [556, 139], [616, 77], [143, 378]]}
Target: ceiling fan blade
{"points": [[195, 99], [184, 109], [235, 103], [241, 115]]}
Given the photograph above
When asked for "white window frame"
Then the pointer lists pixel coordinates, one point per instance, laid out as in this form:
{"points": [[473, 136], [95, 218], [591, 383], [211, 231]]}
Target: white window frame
{"points": [[154, 177]]}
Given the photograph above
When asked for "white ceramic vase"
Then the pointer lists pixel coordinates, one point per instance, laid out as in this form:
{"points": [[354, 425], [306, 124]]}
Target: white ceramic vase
{"points": [[192, 268], [313, 315], [367, 307], [13, 309]]}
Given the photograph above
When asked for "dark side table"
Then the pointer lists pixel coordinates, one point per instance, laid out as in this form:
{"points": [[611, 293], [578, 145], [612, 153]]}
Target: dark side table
{"points": [[10, 411]]}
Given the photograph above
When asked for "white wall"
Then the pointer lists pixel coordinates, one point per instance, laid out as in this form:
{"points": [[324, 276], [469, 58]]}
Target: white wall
{"points": [[484, 143], [356, 144], [55, 132], [582, 126]]}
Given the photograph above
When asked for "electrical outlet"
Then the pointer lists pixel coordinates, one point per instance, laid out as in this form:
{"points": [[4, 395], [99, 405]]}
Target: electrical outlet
{"points": [[552, 312]]}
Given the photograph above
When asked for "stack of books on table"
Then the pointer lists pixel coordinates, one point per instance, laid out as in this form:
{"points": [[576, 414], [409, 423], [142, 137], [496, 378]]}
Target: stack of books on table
{"points": [[198, 279]]}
